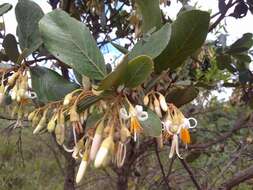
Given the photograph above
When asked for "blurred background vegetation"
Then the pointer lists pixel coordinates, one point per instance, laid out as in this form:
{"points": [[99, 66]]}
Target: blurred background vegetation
{"points": [[34, 162]]}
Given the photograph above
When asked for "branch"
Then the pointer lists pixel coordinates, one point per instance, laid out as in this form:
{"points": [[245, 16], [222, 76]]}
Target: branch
{"points": [[238, 178], [223, 14], [187, 168], [161, 166]]}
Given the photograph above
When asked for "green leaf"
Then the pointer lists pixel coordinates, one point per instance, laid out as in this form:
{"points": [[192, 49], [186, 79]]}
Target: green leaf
{"points": [[71, 42], [4, 8], [241, 45], [245, 76], [189, 32], [152, 126], [10, 47], [28, 14], [116, 77], [138, 70], [151, 14], [242, 57], [120, 48], [131, 74], [180, 95], [49, 85], [154, 44], [224, 62]]}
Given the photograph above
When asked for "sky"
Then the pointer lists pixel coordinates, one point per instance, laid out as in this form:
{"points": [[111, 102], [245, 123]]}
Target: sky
{"points": [[236, 28]]}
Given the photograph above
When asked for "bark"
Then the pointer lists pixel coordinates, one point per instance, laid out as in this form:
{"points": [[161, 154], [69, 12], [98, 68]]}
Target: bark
{"points": [[122, 181], [69, 182]]}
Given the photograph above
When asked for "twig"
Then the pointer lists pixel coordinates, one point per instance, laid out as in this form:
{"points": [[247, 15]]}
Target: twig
{"points": [[187, 168], [161, 165]]}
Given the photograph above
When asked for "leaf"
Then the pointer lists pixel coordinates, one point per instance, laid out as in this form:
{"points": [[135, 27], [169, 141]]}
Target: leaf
{"points": [[131, 74], [241, 45], [242, 57], [138, 70], [152, 45], [152, 126], [116, 77], [181, 95], [49, 85], [120, 48], [10, 47], [4, 8], [189, 32], [245, 76], [71, 42], [224, 62], [151, 14], [28, 14]]}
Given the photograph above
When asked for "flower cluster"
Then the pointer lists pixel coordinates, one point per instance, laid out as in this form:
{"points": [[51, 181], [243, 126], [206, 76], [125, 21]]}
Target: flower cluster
{"points": [[175, 125]]}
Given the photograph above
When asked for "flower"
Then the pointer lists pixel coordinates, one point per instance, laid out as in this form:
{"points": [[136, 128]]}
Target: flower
{"points": [[176, 125], [136, 115]]}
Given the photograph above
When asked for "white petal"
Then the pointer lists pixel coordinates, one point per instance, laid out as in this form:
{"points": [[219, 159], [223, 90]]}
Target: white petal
{"points": [[138, 109], [143, 116], [173, 147], [123, 114], [186, 123], [81, 171], [67, 149], [95, 146], [100, 157], [177, 146], [195, 122]]}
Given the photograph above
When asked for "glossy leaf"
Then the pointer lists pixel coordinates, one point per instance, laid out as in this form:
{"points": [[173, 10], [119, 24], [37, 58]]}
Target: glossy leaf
{"points": [[152, 126], [152, 45], [28, 14], [138, 70], [71, 42], [4, 8], [188, 33], [10, 47], [49, 85], [151, 14], [181, 95]]}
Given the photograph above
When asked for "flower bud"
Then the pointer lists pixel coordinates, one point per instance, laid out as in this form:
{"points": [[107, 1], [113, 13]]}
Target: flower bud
{"points": [[12, 79], [157, 108], [59, 133], [67, 99], [14, 92], [163, 103], [124, 134], [146, 100], [40, 126], [74, 116], [60, 128], [82, 168], [51, 124], [31, 115], [96, 140], [103, 151]]}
